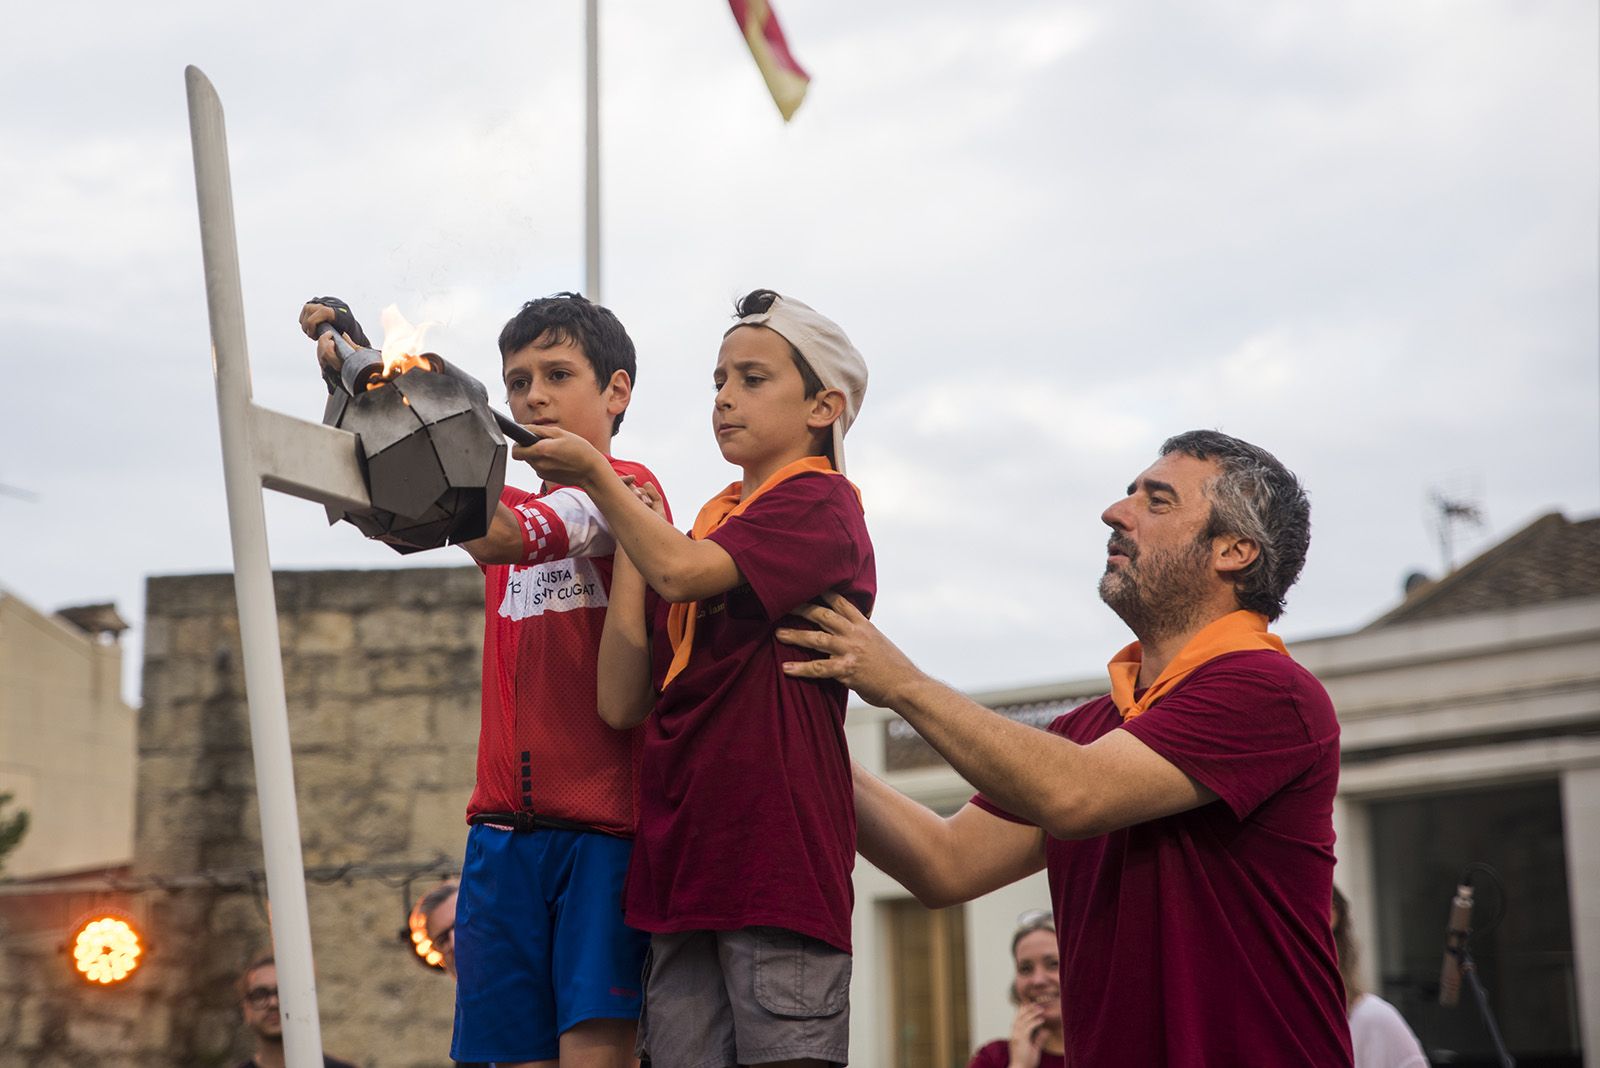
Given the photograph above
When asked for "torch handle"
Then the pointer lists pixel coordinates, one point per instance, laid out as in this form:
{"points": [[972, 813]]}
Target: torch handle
{"points": [[513, 429], [329, 375], [339, 343], [357, 366]]}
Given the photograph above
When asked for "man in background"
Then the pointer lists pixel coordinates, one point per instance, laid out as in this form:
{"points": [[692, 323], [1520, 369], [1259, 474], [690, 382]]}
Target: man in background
{"points": [[258, 1000]]}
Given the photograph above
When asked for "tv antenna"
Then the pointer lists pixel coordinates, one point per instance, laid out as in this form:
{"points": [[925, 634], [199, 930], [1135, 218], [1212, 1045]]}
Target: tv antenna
{"points": [[1453, 512]]}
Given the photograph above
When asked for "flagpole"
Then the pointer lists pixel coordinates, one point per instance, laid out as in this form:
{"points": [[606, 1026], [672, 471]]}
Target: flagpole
{"points": [[591, 285]]}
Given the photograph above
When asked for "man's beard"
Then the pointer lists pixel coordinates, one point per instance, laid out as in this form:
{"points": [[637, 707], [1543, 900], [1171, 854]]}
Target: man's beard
{"points": [[1158, 594]]}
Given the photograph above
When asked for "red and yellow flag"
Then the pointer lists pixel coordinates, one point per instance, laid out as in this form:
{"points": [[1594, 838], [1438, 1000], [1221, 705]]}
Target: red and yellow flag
{"points": [[785, 80]]}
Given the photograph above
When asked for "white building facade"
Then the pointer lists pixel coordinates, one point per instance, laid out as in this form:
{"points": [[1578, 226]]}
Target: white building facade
{"points": [[67, 739]]}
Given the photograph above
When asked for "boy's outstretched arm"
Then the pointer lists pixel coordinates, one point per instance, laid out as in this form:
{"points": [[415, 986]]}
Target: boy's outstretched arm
{"points": [[623, 693], [562, 523], [941, 861], [502, 544], [675, 565]]}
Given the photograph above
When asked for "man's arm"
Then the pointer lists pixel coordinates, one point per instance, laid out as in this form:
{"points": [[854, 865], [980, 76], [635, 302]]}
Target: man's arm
{"points": [[1070, 790], [675, 565], [941, 861]]}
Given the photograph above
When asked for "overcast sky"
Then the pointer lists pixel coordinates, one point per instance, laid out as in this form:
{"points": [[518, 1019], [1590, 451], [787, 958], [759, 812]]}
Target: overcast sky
{"points": [[1360, 234]]}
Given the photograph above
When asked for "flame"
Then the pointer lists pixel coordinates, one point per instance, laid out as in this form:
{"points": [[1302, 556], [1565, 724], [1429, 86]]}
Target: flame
{"points": [[402, 344]]}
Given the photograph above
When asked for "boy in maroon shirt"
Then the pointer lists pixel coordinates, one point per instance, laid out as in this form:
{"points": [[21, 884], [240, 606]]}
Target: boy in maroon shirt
{"points": [[1185, 819], [741, 869]]}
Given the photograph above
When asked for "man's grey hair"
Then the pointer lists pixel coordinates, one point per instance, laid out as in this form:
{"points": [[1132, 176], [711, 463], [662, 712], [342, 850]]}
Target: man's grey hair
{"points": [[1253, 497]]}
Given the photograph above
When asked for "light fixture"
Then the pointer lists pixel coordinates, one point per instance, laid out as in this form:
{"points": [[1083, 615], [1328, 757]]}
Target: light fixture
{"points": [[417, 933], [106, 948], [416, 930]]}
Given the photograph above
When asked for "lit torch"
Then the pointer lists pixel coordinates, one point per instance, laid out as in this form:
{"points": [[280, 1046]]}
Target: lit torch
{"points": [[432, 451], [365, 369]]}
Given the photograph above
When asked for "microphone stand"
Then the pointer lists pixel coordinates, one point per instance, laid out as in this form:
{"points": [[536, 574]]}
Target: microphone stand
{"points": [[1470, 970]]}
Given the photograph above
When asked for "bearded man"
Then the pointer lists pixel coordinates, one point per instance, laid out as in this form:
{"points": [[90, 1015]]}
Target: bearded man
{"points": [[1185, 818]]}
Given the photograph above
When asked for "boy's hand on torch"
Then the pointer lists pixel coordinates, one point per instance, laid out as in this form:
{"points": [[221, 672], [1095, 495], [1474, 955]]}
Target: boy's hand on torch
{"points": [[855, 652], [562, 458]]}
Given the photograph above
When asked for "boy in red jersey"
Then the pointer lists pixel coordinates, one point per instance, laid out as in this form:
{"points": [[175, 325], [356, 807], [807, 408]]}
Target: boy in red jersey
{"points": [[741, 870], [546, 966]]}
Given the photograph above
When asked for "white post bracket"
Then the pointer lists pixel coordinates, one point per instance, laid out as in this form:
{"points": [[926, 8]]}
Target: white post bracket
{"points": [[263, 448]]}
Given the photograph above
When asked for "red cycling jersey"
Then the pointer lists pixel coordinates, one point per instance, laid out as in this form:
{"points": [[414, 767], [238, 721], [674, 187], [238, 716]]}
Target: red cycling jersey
{"points": [[542, 747]]}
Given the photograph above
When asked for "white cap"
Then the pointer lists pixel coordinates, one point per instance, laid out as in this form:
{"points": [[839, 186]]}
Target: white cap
{"points": [[827, 351]]}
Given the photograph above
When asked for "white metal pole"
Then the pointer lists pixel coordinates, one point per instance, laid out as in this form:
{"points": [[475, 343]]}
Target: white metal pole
{"points": [[592, 144], [252, 577]]}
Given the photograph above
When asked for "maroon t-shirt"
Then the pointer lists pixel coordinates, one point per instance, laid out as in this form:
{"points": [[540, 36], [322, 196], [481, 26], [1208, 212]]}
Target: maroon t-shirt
{"points": [[997, 1054], [1203, 938], [746, 811]]}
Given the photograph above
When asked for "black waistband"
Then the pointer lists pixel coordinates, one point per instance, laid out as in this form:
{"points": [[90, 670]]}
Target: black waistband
{"points": [[528, 822]]}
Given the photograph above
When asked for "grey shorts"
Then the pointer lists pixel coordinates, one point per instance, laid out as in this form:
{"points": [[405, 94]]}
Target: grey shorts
{"points": [[715, 999]]}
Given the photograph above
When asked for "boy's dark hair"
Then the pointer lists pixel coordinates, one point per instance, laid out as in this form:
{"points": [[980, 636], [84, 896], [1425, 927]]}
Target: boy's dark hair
{"points": [[759, 300], [573, 318], [1254, 497]]}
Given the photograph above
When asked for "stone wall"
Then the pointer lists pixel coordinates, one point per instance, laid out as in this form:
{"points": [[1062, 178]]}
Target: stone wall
{"points": [[382, 673]]}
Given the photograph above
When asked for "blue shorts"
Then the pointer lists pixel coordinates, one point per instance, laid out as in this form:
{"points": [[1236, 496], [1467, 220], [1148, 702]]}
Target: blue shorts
{"points": [[540, 942]]}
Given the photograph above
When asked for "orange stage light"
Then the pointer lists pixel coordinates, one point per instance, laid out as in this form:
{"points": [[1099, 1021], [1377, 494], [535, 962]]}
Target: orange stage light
{"points": [[106, 949], [421, 944]]}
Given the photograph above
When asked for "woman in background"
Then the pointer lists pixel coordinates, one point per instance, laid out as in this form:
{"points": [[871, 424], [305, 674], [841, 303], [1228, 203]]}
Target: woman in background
{"points": [[1378, 1032], [1035, 1040]]}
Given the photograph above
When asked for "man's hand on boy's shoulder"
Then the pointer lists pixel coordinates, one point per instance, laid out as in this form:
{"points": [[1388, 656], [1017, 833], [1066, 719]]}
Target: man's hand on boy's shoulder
{"points": [[562, 458], [854, 652]]}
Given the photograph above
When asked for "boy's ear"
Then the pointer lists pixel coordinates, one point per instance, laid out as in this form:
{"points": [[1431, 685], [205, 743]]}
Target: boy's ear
{"points": [[618, 391], [826, 407]]}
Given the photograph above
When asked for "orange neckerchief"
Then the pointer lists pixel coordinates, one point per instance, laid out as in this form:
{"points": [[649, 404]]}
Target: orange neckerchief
{"points": [[1233, 633], [717, 511]]}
